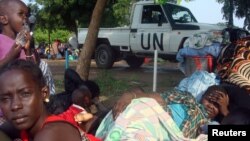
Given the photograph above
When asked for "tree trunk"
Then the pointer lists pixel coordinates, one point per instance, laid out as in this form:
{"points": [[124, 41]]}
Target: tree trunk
{"points": [[231, 12], [84, 62]]}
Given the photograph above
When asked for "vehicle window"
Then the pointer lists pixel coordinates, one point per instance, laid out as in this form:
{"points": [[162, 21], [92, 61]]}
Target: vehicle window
{"points": [[180, 14], [152, 14]]}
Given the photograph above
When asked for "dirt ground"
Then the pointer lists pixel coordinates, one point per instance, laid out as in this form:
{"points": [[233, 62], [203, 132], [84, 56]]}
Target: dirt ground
{"points": [[168, 74]]}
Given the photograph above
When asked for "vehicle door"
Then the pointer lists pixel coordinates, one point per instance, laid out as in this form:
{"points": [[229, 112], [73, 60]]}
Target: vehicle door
{"points": [[149, 30]]}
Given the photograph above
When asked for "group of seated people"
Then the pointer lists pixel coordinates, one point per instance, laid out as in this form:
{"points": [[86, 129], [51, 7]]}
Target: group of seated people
{"points": [[32, 114]]}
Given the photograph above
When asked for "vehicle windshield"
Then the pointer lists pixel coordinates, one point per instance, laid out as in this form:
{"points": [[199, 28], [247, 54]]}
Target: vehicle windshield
{"points": [[179, 14]]}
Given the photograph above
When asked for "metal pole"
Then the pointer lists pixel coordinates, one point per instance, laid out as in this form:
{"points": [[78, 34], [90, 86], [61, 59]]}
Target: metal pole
{"points": [[66, 59], [155, 70]]}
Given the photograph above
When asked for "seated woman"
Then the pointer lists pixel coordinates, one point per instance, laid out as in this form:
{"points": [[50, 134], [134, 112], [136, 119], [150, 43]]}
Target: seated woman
{"points": [[23, 97]]}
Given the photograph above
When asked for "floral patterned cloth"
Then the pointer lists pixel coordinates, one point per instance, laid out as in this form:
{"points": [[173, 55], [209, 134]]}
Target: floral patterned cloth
{"points": [[196, 115], [144, 119]]}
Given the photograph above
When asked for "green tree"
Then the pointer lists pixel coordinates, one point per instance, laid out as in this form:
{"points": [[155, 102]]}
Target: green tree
{"points": [[122, 10], [241, 8], [42, 35], [228, 10], [67, 14]]}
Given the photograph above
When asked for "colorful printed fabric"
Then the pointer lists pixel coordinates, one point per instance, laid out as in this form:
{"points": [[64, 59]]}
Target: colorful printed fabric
{"points": [[196, 115], [240, 73], [236, 69], [143, 120]]}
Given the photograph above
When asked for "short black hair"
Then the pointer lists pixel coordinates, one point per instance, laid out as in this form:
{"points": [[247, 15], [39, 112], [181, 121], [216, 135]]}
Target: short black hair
{"points": [[93, 88], [61, 100], [27, 66], [81, 89]]}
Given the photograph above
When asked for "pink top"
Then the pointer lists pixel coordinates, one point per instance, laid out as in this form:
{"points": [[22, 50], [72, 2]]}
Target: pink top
{"points": [[5, 45]]}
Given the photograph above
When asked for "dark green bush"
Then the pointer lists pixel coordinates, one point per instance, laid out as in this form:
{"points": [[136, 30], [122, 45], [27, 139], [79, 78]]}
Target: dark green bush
{"points": [[43, 36]]}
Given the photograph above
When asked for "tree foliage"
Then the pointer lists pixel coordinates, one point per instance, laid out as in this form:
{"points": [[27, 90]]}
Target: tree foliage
{"points": [[42, 35], [241, 8], [68, 14], [122, 10]]}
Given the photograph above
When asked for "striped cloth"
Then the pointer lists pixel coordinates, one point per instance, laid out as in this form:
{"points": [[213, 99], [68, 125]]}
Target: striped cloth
{"points": [[236, 70], [143, 120], [47, 74], [240, 73]]}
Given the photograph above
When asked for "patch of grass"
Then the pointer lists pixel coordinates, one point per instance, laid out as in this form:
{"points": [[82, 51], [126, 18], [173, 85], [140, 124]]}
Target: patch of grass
{"points": [[109, 86], [59, 84]]}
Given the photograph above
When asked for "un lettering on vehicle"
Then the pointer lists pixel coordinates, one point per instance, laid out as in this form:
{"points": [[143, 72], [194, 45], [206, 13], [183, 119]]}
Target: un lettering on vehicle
{"points": [[152, 40]]}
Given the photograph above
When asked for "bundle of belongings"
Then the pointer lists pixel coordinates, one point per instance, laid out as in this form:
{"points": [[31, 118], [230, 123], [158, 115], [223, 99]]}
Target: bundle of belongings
{"points": [[200, 51]]}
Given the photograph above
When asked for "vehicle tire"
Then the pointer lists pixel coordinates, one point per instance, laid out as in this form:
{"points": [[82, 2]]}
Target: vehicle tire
{"points": [[104, 56], [134, 62]]}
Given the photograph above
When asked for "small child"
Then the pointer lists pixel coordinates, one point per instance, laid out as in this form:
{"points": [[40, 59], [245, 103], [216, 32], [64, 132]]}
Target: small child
{"points": [[73, 81], [72, 107], [15, 39], [82, 97], [77, 113]]}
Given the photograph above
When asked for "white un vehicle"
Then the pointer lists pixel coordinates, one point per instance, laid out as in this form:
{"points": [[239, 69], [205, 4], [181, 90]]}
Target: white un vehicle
{"points": [[152, 27]]}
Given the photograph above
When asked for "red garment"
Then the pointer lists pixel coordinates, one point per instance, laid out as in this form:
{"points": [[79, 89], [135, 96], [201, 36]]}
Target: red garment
{"points": [[71, 112], [54, 118]]}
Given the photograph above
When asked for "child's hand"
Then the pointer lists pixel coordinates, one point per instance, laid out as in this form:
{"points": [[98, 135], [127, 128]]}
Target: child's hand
{"points": [[23, 37], [28, 38], [83, 117]]}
